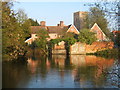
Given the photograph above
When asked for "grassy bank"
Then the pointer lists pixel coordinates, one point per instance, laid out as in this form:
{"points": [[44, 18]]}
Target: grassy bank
{"points": [[109, 53]]}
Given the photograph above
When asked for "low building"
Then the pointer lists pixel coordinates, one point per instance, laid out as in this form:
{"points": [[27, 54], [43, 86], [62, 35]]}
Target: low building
{"points": [[58, 31], [53, 31]]}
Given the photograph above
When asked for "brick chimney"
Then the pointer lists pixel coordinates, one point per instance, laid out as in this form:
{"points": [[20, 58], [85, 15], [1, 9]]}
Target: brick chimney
{"points": [[58, 24], [61, 23], [42, 23]]}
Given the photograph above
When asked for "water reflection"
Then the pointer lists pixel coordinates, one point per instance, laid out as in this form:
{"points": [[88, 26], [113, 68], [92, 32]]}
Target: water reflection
{"points": [[58, 71]]}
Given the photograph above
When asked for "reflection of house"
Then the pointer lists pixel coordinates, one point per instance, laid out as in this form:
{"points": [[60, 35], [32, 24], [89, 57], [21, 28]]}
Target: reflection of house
{"points": [[87, 66], [59, 60], [32, 64], [54, 31], [77, 60]]}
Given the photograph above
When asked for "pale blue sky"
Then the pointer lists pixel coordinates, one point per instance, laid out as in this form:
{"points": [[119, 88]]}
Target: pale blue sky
{"points": [[51, 12]]}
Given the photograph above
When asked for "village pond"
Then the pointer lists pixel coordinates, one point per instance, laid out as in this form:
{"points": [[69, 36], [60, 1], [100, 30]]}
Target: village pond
{"points": [[59, 71]]}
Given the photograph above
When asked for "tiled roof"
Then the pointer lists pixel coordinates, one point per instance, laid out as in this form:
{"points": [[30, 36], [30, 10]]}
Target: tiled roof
{"points": [[50, 29], [36, 29], [115, 31], [57, 29]]}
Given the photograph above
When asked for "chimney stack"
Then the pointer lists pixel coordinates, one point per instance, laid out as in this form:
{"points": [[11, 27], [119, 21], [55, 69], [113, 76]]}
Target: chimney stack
{"points": [[58, 24], [42, 23], [61, 23]]}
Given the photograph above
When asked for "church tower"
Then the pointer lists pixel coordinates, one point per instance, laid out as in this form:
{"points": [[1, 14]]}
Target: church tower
{"points": [[79, 19]]}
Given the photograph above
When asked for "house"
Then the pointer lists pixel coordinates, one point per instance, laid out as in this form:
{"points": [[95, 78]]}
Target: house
{"points": [[98, 33], [79, 18], [53, 31], [115, 33], [58, 31]]}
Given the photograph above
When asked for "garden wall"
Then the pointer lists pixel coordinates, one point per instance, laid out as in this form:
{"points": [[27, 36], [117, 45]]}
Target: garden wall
{"points": [[82, 48]]}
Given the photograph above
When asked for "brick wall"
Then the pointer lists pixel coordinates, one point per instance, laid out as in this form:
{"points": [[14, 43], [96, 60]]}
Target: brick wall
{"points": [[77, 48], [59, 49], [98, 46], [82, 48]]}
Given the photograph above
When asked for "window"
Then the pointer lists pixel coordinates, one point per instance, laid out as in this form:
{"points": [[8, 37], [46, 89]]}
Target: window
{"points": [[95, 31], [72, 29]]}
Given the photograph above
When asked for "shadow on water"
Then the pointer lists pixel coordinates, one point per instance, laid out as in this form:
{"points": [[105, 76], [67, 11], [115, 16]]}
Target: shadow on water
{"points": [[60, 71]]}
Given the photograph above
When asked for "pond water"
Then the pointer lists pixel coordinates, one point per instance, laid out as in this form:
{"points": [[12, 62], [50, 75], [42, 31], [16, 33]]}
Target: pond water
{"points": [[59, 71]]}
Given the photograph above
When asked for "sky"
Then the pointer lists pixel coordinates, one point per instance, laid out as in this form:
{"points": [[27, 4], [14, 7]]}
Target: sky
{"points": [[51, 12]]}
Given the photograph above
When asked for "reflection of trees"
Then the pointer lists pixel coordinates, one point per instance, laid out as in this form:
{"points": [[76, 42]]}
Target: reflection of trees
{"points": [[68, 64], [92, 70], [38, 66], [13, 74], [37, 61], [43, 68], [58, 61], [85, 73], [113, 76], [61, 62], [84, 69]]}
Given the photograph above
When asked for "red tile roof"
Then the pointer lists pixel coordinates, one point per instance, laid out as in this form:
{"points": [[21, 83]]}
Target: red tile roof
{"points": [[116, 32], [50, 29], [36, 29]]}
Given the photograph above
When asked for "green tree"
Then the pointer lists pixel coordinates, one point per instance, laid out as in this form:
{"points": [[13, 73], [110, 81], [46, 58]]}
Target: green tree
{"points": [[33, 23], [69, 39], [86, 36], [12, 33], [96, 15], [41, 41], [26, 28], [24, 22], [69, 35]]}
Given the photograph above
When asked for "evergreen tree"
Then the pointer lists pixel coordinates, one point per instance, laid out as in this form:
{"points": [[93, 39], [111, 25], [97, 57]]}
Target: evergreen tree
{"points": [[33, 23], [26, 28]]}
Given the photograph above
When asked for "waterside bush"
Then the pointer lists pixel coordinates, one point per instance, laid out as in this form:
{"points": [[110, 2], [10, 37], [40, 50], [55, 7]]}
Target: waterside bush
{"points": [[109, 53]]}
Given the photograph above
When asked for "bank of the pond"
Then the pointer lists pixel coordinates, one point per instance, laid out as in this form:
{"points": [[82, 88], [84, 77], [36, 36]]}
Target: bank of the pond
{"points": [[109, 53]]}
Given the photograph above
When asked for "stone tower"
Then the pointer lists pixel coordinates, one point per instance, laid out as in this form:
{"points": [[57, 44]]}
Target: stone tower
{"points": [[79, 19]]}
